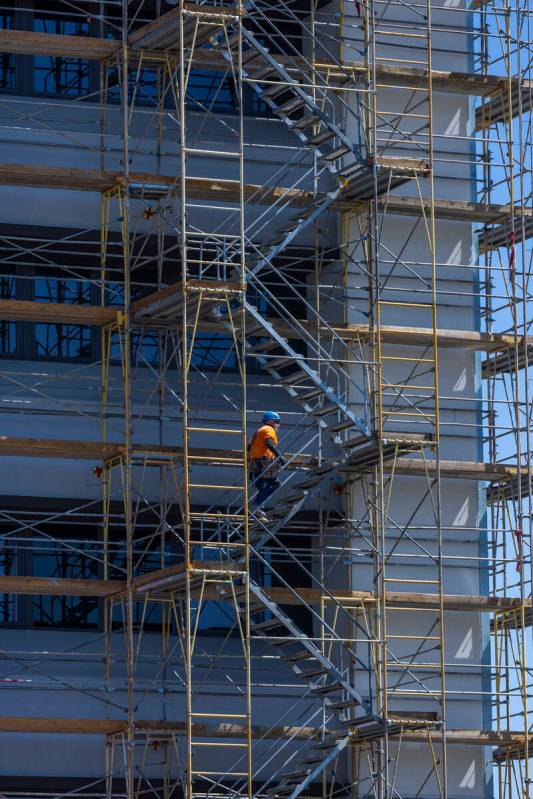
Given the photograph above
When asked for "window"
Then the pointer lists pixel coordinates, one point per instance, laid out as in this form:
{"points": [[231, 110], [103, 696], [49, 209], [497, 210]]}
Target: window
{"points": [[211, 91], [8, 602], [143, 88], [65, 611], [214, 350], [8, 338], [7, 60], [215, 615], [60, 340], [59, 76], [55, 76]]}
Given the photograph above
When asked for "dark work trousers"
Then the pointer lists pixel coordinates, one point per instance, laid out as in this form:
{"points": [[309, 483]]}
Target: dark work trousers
{"points": [[265, 487], [263, 476]]}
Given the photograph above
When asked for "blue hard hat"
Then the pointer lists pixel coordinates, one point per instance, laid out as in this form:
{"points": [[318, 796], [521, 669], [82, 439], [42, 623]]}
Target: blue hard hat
{"points": [[271, 416]]}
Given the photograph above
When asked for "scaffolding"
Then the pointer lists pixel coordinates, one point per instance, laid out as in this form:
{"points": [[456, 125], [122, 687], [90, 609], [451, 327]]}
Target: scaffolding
{"points": [[280, 186]]}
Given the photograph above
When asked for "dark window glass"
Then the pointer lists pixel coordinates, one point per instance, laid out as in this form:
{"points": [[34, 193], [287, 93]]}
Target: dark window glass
{"points": [[144, 613], [7, 60], [142, 89], [214, 350], [8, 338], [214, 615], [211, 91], [65, 611], [8, 602], [55, 76], [62, 341], [145, 349]]}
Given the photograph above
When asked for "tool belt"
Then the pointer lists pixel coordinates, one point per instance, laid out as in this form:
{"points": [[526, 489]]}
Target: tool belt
{"points": [[264, 467]]}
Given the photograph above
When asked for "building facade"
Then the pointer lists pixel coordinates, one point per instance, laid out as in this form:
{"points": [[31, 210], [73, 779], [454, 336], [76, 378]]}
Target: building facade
{"points": [[211, 210]]}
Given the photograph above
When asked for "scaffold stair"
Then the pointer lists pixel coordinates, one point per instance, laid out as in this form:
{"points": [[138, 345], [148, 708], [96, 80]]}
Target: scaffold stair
{"points": [[325, 681], [285, 95], [263, 256], [287, 507], [320, 674], [302, 381], [285, 90]]}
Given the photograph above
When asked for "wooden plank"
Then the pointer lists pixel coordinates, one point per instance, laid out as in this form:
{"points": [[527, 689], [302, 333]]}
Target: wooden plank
{"points": [[461, 470], [93, 48], [53, 448], [469, 737], [449, 81], [95, 450], [98, 451], [495, 108], [471, 470], [461, 339], [454, 210], [71, 178], [61, 725], [74, 449], [35, 176], [399, 600], [147, 184], [170, 580], [51, 586], [32, 43], [56, 313], [199, 23], [168, 301], [166, 304]]}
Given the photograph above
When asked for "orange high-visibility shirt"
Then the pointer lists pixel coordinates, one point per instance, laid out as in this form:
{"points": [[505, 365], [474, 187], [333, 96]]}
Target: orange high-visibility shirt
{"points": [[258, 447]]}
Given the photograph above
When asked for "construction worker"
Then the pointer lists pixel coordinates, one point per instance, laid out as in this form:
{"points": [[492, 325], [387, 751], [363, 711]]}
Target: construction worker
{"points": [[265, 461]]}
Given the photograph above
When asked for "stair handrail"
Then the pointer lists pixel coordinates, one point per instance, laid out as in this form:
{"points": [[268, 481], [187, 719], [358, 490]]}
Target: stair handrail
{"points": [[301, 56], [302, 332]]}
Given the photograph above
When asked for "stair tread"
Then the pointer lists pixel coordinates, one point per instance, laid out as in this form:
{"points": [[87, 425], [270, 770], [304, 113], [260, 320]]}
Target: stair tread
{"points": [[308, 675], [259, 348], [307, 484], [327, 689], [325, 410], [306, 122], [321, 138], [290, 106], [305, 655], [318, 392], [295, 378], [272, 91], [343, 705], [354, 442], [283, 360], [339, 426], [337, 153], [261, 74]]}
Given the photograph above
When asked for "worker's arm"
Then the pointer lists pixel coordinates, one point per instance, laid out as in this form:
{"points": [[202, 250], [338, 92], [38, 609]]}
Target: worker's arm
{"points": [[269, 443]]}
